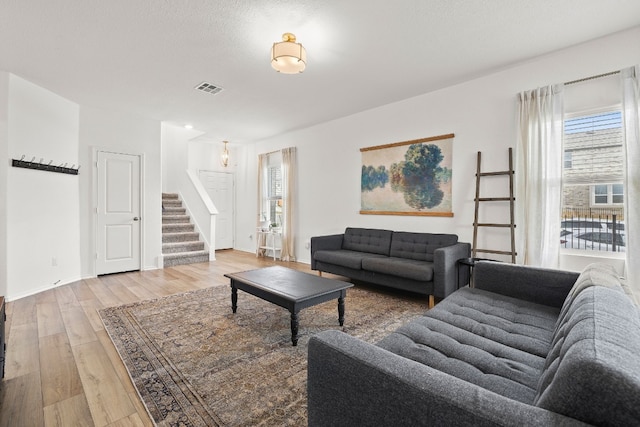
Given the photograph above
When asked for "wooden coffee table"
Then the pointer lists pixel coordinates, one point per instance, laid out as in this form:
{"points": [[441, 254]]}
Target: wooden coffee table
{"points": [[290, 289]]}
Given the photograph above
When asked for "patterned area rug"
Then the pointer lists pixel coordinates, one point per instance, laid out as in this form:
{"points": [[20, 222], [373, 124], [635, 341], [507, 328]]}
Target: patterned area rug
{"points": [[194, 363]]}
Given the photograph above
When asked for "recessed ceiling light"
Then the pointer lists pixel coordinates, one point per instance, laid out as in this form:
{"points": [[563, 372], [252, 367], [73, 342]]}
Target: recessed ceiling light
{"points": [[188, 126]]}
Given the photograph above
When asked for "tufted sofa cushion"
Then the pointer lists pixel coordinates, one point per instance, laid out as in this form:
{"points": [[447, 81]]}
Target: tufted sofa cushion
{"points": [[367, 240], [493, 341], [349, 259], [400, 267], [419, 246], [592, 370]]}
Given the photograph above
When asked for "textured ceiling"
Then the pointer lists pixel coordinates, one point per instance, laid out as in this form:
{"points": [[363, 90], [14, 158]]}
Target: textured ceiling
{"points": [[146, 56]]}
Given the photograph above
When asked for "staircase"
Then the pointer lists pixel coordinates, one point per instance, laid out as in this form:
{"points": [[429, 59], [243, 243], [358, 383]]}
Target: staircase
{"points": [[180, 242]]}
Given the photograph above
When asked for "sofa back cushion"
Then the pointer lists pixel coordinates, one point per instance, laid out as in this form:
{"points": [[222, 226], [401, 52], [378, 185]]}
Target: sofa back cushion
{"points": [[591, 372], [367, 240], [419, 246]]}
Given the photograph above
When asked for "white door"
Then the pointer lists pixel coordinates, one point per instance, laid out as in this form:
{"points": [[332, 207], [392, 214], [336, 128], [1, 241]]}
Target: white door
{"points": [[118, 213], [219, 186]]}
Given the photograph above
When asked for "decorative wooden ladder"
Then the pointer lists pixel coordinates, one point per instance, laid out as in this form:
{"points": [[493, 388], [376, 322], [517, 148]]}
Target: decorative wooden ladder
{"points": [[510, 199]]}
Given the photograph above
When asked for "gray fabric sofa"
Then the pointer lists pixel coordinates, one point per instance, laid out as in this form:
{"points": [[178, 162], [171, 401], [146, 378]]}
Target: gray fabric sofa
{"points": [[418, 262], [525, 347]]}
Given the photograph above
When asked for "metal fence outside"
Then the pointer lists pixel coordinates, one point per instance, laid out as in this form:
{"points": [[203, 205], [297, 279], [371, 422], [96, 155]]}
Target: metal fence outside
{"points": [[593, 229]]}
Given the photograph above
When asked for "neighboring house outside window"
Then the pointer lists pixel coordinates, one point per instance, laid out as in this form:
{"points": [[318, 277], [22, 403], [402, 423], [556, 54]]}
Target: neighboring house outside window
{"points": [[593, 192]]}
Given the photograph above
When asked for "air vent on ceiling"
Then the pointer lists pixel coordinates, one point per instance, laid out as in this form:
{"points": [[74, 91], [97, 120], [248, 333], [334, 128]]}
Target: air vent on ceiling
{"points": [[208, 88]]}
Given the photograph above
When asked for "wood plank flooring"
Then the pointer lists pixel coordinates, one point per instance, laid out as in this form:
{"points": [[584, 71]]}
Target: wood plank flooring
{"points": [[61, 367]]}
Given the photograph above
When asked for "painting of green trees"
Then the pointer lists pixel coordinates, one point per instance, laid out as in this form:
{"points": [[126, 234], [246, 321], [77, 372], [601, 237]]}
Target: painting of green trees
{"points": [[408, 178]]}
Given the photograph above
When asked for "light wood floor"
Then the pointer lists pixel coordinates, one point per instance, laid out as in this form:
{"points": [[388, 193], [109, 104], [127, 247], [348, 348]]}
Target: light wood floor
{"points": [[61, 367]]}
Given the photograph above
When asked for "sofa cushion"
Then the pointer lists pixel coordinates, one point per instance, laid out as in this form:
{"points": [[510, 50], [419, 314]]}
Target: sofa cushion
{"points": [[367, 240], [517, 323], [592, 370], [596, 274], [483, 338], [400, 267], [349, 259], [419, 246]]}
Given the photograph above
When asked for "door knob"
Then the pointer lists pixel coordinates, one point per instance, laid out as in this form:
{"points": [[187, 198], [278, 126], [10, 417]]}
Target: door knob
{"points": [[135, 218]]}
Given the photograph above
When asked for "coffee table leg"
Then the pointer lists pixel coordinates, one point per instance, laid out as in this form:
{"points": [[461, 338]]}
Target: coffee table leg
{"points": [[294, 328], [234, 298], [341, 310]]}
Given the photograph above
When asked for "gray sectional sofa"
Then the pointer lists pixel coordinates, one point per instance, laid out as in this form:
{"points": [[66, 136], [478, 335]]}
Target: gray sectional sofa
{"points": [[526, 347], [418, 262]]}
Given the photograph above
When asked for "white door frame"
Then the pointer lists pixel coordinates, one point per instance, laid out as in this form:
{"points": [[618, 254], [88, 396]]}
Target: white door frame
{"points": [[94, 207]]}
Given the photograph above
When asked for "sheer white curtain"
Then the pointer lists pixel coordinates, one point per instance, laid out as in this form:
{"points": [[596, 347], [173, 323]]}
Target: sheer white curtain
{"points": [[630, 101], [538, 171], [289, 177]]}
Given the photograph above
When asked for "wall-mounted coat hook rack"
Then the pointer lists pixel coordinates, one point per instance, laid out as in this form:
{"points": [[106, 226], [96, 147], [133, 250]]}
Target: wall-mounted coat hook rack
{"points": [[49, 167]]}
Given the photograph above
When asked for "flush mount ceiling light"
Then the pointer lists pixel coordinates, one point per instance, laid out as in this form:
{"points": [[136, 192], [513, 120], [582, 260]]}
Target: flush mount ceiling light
{"points": [[287, 56], [225, 154]]}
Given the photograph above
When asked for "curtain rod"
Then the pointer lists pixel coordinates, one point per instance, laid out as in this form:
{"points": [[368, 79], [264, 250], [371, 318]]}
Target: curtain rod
{"points": [[592, 78]]}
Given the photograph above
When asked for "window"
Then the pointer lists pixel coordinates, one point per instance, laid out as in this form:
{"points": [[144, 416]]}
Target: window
{"points": [[607, 194], [271, 190], [274, 195], [567, 159], [593, 193]]}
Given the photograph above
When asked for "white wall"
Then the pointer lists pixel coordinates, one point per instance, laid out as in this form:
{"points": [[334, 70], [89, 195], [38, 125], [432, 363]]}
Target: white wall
{"points": [[42, 207], [174, 149], [121, 133], [206, 155], [4, 166], [46, 218], [481, 113]]}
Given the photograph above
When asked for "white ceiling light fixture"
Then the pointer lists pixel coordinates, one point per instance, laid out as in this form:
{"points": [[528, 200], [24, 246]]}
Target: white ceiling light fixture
{"points": [[225, 155], [287, 56]]}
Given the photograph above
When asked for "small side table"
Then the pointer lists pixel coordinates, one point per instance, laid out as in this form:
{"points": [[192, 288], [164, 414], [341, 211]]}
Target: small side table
{"points": [[268, 240], [469, 263]]}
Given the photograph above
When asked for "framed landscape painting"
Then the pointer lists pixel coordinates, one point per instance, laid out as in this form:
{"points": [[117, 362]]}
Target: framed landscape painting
{"points": [[408, 178]]}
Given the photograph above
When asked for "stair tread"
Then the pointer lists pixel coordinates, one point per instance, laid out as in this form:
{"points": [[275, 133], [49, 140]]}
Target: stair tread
{"points": [[173, 245], [181, 232], [174, 220], [182, 243], [186, 254]]}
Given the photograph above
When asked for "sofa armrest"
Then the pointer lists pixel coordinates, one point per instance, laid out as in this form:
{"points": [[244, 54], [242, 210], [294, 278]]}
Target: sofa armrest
{"points": [[445, 268], [324, 243], [351, 382], [539, 285]]}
